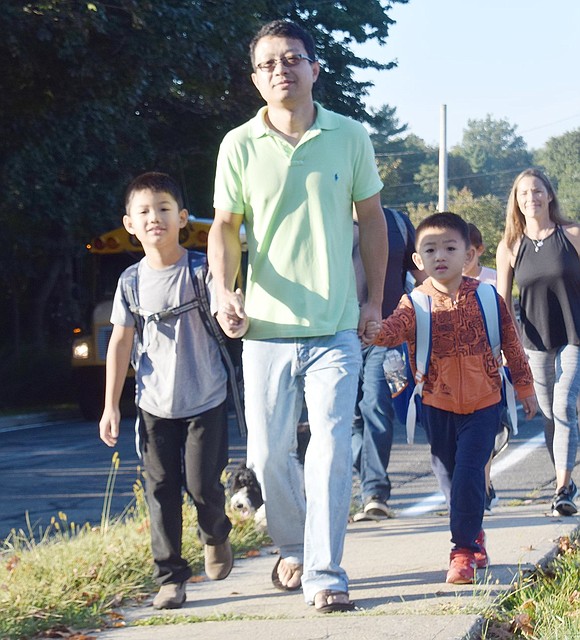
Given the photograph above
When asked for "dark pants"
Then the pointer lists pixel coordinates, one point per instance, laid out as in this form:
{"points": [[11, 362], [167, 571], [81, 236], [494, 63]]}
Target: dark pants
{"points": [[460, 448], [189, 453]]}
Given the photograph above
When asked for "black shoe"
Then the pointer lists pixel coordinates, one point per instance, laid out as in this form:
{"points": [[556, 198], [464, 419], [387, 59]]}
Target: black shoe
{"points": [[563, 501]]}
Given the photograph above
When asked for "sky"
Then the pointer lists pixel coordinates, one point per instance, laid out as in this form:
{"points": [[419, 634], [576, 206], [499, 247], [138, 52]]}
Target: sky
{"points": [[517, 60]]}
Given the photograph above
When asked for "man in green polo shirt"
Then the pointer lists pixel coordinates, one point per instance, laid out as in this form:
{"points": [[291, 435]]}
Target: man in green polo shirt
{"points": [[291, 175]]}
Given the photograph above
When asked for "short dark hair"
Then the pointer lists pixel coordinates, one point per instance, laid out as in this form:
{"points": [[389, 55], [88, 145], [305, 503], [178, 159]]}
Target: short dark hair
{"points": [[284, 29], [445, 220], [156, 182], [475, 237]]}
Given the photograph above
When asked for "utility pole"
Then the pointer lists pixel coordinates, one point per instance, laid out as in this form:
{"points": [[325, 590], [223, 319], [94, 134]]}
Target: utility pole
{"points": [[442, 204]]}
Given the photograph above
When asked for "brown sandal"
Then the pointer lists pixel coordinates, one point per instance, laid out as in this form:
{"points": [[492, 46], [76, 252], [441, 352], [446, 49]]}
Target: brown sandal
{"points": [[327, 601], [276, 578]]}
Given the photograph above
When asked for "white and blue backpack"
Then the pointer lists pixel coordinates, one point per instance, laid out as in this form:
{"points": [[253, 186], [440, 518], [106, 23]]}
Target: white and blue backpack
{"points": [[487, 298]]}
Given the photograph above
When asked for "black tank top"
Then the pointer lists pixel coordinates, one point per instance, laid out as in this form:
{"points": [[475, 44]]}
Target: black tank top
{"points": [[549, 284]]}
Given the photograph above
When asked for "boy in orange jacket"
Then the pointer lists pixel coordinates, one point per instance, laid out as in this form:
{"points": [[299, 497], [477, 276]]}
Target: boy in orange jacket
{"points": [[461, 402]]}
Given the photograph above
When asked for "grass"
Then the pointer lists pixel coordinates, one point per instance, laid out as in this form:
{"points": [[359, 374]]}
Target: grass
{"points": [[74, 577], [543, 605]]}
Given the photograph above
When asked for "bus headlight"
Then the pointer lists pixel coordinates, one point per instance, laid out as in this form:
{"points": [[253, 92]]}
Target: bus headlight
{"points": [[81, 350]]}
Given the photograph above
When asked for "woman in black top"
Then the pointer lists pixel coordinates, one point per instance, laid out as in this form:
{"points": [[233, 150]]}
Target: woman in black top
{"points": [[540, 251]]}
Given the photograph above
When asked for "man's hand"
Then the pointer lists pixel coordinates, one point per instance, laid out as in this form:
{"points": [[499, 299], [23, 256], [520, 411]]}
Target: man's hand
{"points": [[370, 316], [231, 314], [530, 406]]}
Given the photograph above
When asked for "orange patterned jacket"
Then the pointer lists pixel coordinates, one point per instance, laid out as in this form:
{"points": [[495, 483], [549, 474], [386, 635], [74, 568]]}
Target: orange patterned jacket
{"points": [[463, 375]]}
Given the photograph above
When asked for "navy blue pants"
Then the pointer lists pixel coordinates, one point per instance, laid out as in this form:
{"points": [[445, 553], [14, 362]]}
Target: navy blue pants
{"points": [[189, 454], [460, 448]]}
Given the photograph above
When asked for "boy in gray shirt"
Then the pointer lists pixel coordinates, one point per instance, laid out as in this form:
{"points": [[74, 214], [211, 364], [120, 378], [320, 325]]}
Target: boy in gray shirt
{"points": [[181, 386]]}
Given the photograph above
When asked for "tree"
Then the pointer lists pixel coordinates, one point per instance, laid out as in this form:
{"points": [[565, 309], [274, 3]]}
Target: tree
{"points": [[561, 160], [95, 92], [487, 213], [459, 175], [496, 154]]}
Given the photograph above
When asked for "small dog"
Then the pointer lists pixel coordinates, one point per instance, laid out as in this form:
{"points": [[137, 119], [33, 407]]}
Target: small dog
{"points": [[246, 495]]}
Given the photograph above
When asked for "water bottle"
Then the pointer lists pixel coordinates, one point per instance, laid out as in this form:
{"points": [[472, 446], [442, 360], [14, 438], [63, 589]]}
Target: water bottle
{"points": [[395, 370]]}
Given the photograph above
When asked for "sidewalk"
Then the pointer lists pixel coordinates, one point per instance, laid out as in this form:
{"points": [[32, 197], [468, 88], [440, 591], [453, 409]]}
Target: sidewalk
{"points": [[397, 571]]}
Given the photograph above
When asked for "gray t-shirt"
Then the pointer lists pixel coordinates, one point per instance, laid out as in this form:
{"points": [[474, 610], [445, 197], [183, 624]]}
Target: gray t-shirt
{"points": [[180, 372]]}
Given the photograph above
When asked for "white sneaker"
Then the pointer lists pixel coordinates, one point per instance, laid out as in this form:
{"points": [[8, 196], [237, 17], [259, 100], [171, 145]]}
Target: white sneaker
{"points": [[376, 507]]}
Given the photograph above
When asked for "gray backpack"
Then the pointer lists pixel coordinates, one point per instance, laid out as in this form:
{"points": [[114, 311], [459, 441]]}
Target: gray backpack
{"points": [[199, 275]]}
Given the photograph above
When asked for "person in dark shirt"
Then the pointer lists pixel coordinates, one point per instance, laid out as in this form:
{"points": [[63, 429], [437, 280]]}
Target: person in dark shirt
{"points": [[372, 431], [540, 251]]}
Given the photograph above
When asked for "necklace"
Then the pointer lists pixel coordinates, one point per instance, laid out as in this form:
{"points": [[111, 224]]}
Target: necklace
{"points": [[539, 243]]}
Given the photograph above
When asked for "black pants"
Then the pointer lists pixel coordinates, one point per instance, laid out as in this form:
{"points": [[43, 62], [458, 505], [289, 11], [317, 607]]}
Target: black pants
{"points": [[191, 454]]}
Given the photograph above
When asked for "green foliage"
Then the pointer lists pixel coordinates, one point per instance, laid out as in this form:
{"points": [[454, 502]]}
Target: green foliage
{"points": [[459, 175], [75, 576], [487, 213], [398, 165], [544, 604], [561, 160], [95, 93], [495, 152]]}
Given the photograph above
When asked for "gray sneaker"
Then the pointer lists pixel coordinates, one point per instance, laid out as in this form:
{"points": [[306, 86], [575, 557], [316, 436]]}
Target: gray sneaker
{"points": [[170, 596], [376, 507], [563, 501]]}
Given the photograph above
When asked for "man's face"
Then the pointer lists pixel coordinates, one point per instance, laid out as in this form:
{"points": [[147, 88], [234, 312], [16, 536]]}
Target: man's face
{"points": [[284, 84]]}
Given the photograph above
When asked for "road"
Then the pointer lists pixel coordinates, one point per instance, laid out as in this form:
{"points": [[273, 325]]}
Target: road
{"points": [[52, 467]]}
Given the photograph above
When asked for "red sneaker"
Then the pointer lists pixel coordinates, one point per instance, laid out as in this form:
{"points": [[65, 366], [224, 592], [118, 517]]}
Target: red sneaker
{"points": [[481, 557], [462, 567]]}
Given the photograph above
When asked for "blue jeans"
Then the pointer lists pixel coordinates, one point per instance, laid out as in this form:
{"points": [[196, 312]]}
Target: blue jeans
{"points": [[372, 429], [460, 448], [557, 384], [307, 506]]}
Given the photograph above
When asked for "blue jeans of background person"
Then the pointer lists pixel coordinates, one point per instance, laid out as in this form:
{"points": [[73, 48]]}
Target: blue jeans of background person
{"points": [[307, 507], [460, 448], [557, 384], [188, 453], [372, 429]]}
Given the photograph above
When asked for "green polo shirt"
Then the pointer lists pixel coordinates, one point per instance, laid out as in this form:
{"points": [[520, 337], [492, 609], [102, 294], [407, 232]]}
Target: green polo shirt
{"points": [[297, 208]]}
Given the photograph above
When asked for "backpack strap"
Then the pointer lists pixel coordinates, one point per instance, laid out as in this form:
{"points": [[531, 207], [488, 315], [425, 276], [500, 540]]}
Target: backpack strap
{"points": [[130, 290], [201, 279], [422, 306], [486, 295]]}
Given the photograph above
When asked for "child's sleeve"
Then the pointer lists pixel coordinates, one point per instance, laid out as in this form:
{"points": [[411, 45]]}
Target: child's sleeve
{"points": [[515, 355], [399, 327], [120, 313]]}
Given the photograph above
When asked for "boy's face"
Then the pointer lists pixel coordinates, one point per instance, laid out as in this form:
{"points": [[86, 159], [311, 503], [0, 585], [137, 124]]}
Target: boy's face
{"points": [[154, 218], [442, 254]]}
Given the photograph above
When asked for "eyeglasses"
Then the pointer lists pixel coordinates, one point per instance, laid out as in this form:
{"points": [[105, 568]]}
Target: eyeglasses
{"points": [[287, 61]]}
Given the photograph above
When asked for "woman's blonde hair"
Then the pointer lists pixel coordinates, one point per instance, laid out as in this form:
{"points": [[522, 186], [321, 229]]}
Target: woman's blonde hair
{"points": [[515, 221]]}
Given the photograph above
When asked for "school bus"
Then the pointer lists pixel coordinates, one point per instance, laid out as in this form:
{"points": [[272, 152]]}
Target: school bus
{"points": [[110, 253]]}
